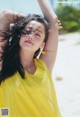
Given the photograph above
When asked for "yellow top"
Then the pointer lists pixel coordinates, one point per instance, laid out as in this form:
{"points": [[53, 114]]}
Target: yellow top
{"points": [[33, 96]]}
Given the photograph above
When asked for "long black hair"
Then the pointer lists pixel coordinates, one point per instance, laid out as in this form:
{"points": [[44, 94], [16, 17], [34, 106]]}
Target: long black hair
{"points": [[10, 57]]}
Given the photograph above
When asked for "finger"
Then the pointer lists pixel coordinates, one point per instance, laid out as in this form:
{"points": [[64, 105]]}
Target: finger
{"points": [[58, 21], [60, 27]]}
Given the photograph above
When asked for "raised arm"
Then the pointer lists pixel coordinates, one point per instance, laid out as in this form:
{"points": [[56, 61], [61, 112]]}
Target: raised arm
{"points": [[52, 42], [6, 17]]}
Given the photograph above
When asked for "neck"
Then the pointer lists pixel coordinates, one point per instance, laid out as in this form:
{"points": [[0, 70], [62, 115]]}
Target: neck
{"points": [[26, 59]]}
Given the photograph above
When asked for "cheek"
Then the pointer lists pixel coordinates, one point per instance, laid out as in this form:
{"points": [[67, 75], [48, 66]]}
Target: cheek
{"points": [[21, 41], [38, 44], [43, 36]]}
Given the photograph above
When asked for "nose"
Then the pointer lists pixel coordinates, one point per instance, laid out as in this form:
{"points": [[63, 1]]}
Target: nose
{"points": [[31, 35]]}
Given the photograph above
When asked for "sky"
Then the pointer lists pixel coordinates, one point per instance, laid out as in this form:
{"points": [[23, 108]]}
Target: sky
{"points": [[24, 6]]}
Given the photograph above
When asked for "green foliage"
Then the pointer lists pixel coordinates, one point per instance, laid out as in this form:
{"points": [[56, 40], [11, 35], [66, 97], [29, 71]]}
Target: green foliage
{"points": [[70, 18]]}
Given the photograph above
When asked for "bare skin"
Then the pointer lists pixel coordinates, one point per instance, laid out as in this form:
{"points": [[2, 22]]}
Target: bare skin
{"points": [[30, 43], [6, 17], [52, 43], [50, 47]]}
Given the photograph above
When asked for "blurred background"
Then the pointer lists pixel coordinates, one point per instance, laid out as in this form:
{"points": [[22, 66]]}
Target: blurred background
{"points": [[66, 72]]}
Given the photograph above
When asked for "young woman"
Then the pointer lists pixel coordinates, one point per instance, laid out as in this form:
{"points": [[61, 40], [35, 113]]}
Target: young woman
{"points": [[26, 88]]}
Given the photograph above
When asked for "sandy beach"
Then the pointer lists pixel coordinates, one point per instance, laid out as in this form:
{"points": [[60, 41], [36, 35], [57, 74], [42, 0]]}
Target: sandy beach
{"points": [[66, 74]]}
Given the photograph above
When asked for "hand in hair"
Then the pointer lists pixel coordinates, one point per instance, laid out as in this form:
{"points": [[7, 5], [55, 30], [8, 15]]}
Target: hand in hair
{"points": [[59, 24], [7, 17]]}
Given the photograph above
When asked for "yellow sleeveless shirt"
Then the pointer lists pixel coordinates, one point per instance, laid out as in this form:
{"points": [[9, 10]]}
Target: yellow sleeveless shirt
{"points": [[33, 96]]}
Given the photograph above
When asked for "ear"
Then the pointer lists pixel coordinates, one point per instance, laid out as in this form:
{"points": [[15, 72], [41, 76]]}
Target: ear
{"points": [[42, 45]]}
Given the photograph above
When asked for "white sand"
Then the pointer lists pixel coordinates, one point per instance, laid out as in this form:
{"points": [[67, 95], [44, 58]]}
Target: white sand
{"points": [[67, 67]]}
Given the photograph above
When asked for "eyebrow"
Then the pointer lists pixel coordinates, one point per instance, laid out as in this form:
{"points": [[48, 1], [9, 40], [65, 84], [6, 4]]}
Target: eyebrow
{"points": [[35, 29], [38, 30]]}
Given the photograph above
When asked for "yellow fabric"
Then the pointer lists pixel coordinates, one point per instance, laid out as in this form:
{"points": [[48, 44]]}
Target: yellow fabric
{"points": [[33, 96]]}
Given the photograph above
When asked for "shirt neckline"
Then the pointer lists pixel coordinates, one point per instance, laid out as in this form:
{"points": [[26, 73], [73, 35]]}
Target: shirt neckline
{"points": [[35, 71]]}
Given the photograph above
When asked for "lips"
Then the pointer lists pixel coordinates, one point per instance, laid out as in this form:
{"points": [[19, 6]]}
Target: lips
{"points": [[29, 42]]}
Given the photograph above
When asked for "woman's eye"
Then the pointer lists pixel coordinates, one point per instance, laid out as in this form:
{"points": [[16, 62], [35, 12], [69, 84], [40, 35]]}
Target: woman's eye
{"points": [[37, 35], [28, 31], [24, 32]]}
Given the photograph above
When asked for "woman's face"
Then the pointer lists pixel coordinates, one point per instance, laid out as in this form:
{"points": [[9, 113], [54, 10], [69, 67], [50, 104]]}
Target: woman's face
{"points": [[32, 37]]}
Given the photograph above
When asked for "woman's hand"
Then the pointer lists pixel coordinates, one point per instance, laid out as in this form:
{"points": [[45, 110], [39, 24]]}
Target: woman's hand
{"points": [[59, 24], [7, 17], [10, 16]]}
